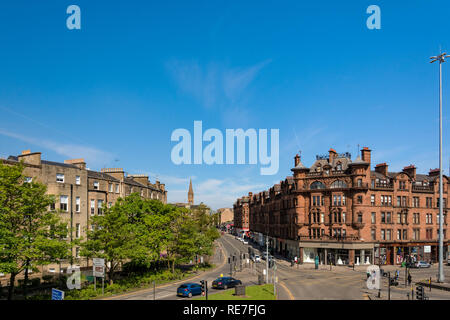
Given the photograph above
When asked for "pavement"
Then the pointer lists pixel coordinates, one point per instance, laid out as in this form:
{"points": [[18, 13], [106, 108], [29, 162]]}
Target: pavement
{"points": [[300, 282], [226, 246]]}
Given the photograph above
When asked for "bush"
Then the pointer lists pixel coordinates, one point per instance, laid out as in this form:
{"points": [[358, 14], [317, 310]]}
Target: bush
{"points": [[35, 282], [47, 278]]}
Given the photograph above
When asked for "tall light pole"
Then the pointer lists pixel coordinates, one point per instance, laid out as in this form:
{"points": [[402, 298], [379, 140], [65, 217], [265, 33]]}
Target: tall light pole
{"points": [[441, 58], [267, 258]]}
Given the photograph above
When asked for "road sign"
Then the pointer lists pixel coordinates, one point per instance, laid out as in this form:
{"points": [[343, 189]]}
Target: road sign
{"points": [[98, 261], [427, 249], [57, 294], [99, 271]]}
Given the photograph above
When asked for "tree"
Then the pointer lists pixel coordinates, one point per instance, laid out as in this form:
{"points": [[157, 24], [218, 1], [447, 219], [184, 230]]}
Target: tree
{"points": [[113, 237], [134, 229], [206, 232], [181, 244], [30, 234], [192, 233]]}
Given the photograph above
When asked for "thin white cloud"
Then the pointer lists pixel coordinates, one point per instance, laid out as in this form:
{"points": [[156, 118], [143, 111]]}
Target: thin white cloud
{"points": [[213, 85], [236, 80], [216, 193], [92, 156]]}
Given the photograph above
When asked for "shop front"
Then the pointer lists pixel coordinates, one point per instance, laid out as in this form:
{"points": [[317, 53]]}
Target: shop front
{"points": [[337, 253], [287, 248], [398, 253]]}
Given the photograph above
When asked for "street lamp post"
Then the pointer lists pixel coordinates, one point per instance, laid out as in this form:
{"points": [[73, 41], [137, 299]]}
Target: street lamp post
{"points": [[267, 258], [441, 58]]}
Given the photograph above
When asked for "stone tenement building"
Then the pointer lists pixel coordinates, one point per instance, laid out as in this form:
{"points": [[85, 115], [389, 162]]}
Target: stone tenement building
{"points": [[341, 210], [226, 215], [241, 218], [81, 193]]}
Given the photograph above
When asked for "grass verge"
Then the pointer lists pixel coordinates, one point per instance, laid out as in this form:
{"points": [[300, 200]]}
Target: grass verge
{"points": [[257, 292], [125, 285]]}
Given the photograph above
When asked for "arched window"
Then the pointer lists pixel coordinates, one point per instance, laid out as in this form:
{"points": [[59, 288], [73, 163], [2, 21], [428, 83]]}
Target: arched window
{"points": [[338, 184], [317, 185]]}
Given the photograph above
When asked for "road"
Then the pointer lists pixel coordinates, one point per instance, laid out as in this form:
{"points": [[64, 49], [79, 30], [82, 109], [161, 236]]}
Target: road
{"points": [[226, 246], [302, 282]]}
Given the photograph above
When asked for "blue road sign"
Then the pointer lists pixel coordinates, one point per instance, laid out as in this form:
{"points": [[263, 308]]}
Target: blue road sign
{"points": [[57, 294]]}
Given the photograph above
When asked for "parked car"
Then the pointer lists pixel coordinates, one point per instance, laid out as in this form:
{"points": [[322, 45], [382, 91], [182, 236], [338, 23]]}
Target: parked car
{"points": [[189, 290], [245, 241], [225, 283], [264, 256], [422, 264], [256, 258]]}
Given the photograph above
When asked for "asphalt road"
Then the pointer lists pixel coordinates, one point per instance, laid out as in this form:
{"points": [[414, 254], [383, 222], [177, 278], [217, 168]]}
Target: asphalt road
{"points": [[301, 282], [226, 246]]}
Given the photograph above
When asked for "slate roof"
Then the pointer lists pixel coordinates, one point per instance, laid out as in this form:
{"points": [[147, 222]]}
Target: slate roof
{"points": [[133, 183], [345, 162], [50, 163], [101, 175]]}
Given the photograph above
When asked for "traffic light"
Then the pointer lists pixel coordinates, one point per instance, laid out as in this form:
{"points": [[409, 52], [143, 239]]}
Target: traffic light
{"points": [[420, 293], [202, 282]]}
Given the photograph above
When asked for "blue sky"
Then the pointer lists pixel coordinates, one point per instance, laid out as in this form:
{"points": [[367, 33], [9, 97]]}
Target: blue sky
{"points": [[114, 91]]}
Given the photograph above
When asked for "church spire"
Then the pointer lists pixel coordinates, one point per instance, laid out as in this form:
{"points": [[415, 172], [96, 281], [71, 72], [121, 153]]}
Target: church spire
{"points": [[190, 193]]}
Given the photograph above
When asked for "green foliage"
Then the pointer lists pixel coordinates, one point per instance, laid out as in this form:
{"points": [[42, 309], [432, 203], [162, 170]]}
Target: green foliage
{"points": [[30, 235], [140, 230]]}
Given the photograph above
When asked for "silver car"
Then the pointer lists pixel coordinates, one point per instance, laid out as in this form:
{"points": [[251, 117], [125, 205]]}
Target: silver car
{"points": [[422, 264]]}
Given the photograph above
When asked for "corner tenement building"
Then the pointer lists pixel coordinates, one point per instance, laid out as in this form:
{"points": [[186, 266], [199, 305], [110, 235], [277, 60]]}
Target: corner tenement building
{"points": [[341, 210], [81, 193]]}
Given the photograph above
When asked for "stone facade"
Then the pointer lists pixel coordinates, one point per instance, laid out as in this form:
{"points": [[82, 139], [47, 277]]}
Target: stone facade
{"points": [[341, 210], [226, 215], [81, 193]]}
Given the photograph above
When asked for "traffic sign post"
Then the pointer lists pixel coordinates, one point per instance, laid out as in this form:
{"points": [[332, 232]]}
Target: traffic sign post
{"points": [[57, 294], [98, 270]]}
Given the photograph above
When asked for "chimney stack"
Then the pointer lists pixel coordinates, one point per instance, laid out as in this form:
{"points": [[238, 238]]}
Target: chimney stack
{"points": [[410, 170], [297, 160], [77, 162], [433, 172], [331, 155], [30, 158], [365, 154], [382, 168], [117, 173]]}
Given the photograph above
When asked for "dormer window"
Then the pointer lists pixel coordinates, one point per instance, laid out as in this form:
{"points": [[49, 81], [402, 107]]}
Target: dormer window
{"points": [[339, 167]]}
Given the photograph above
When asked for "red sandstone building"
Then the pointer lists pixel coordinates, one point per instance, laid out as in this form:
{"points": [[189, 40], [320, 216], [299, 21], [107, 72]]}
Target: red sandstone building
{"points": [[241, 217], [342, 211]]}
